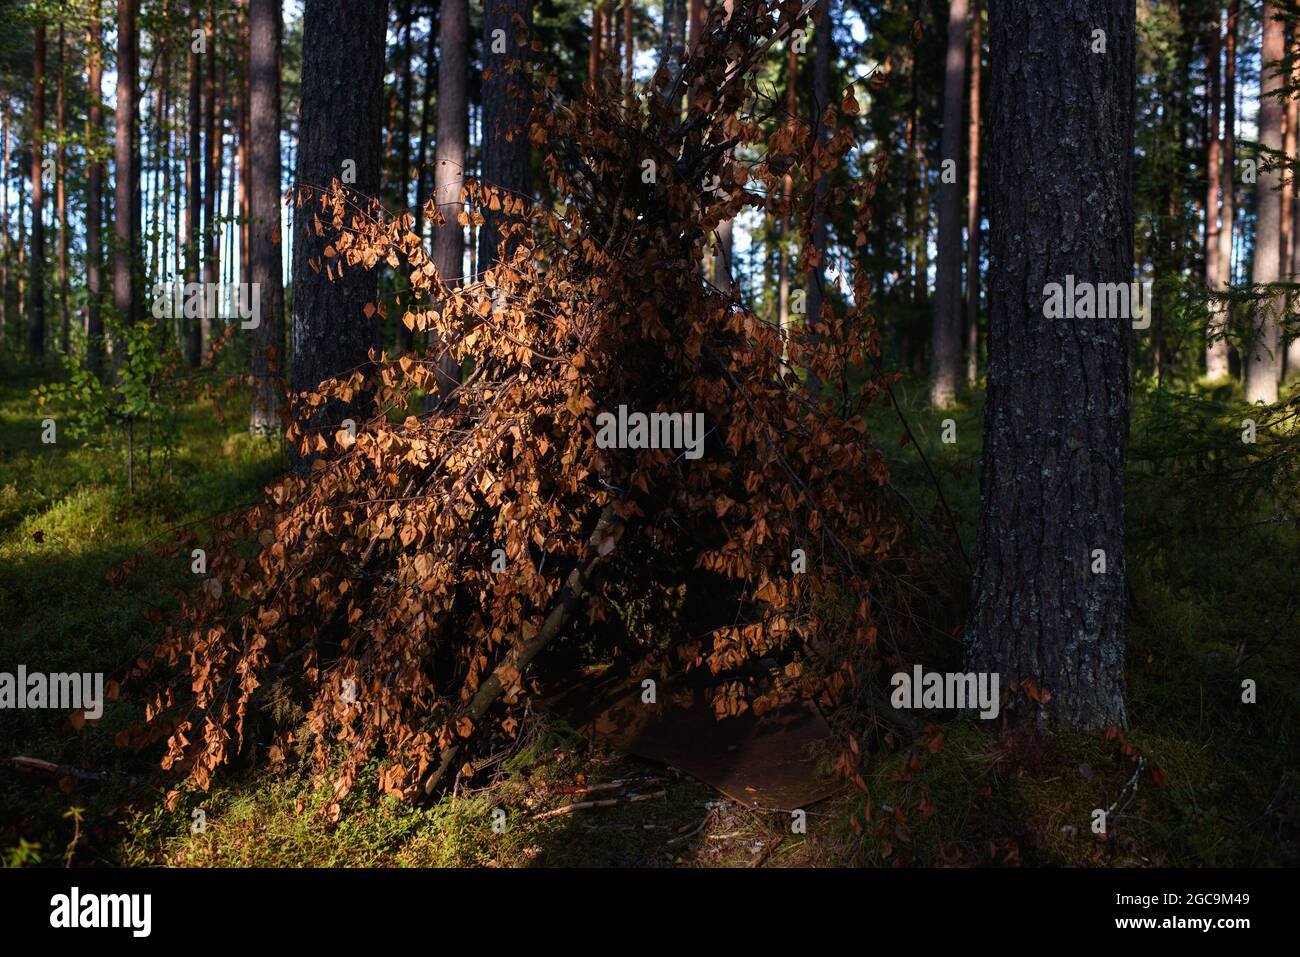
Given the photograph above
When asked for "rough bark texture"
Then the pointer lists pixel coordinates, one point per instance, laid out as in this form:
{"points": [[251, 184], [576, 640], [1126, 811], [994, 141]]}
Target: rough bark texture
{"points": [[507, 161], [264, 209], [1060, 141], [340, 119], [973, 202], [1216, 348], [36, 311], [449, 154], [1264, 362], [126, 216], [945, 339]]}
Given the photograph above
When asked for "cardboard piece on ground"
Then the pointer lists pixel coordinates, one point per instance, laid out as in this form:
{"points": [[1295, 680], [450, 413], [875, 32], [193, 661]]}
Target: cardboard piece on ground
{"points": [[767, 761]]}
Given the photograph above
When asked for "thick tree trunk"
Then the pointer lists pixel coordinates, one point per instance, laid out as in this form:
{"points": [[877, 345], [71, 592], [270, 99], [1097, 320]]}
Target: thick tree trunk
{"points": [[340, 121], [507, 160], [264, 211], [1264, 361], [1216, 347], [449, 158], [36, 311], [973, 203], [945, 339], [1057, 412]]}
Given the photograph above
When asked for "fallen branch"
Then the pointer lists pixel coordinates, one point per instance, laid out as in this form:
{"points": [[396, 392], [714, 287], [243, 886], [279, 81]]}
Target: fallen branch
{"points": [[36, 765], [602, 541], [602, 802]]}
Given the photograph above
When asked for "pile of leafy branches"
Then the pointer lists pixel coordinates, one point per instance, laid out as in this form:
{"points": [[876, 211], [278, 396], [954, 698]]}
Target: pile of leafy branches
{"points": [[399, 590]]}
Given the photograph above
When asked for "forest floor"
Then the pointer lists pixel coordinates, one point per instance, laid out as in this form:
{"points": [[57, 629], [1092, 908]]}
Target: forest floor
{"points": [[1218, 782]]}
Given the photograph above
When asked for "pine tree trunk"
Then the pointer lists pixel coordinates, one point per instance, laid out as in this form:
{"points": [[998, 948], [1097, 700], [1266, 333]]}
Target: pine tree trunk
{"points": [[211, 170], [1057, 411], [194, 189], [430, 81], [507, 160], [340, 120], [1213, 162], [945, 338], [450, 157], [264, 211], [821, 188], [36, 311], [61, 201], [1264, 361], [973, 203], [1216, 348], [126, 186]]}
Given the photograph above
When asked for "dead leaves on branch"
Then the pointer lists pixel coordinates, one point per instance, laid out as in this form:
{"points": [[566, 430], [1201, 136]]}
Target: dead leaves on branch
{"points": [[385, 589]]}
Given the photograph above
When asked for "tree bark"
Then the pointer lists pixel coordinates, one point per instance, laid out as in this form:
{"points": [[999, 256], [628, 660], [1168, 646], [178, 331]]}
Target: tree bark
{"points": [[1213, 163], [126, 185], [973, 203], [507, 160], [430, 81], [673, 48], [341, 114], [1216, 347], [1264, 361], [1056, 419], [821, 188], [449, 158], [211, 175], [61, 200], [264, 211], [36, 311], [192, 326], [945, 338]]}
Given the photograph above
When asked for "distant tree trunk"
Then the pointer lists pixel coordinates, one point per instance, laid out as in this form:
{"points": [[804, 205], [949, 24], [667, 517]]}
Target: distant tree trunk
{"points": [[7, 246], [696, 17], [211, 172], [1216, 348], [1264, 362], [973, 204], [723, 253], [1213, 161], [244, 158], [340, 120], [507, 160], [628, 50], [126, 186], [1057, 412], [402, 160], [65, 319], [193, 326], [945, 362], [94, 193], [1292, 262], [822, 42], [430, 80], [673, 48], [593, 51], [449, 158], [787, 195], [36, 312], [264, 211]]}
